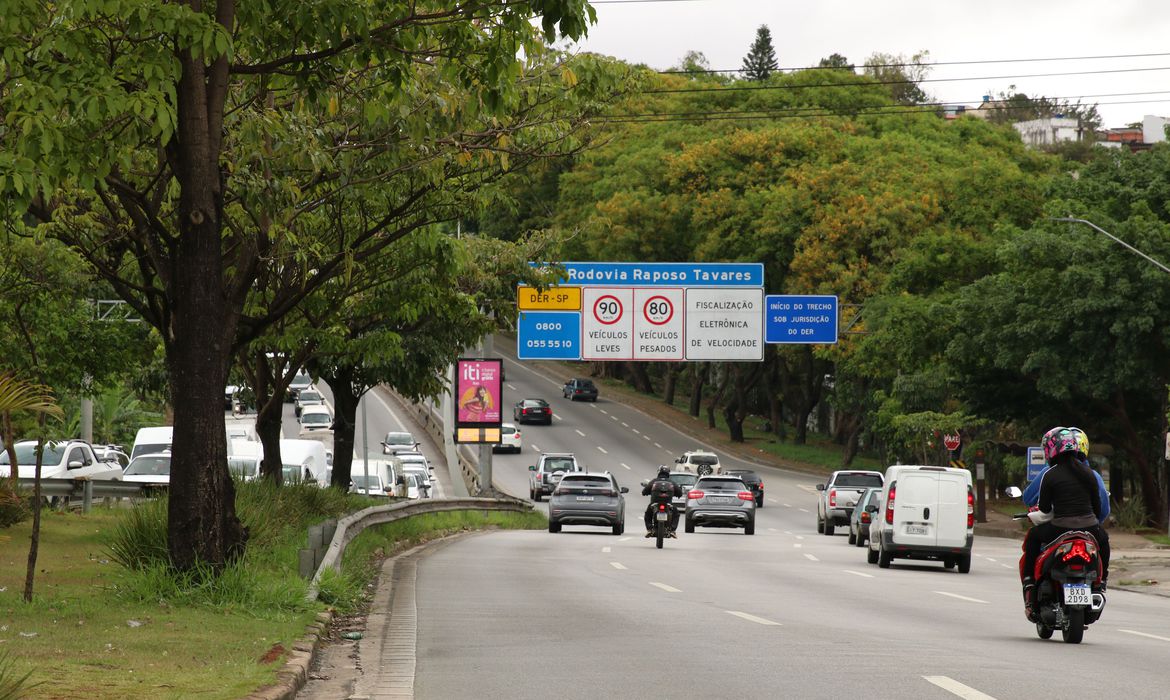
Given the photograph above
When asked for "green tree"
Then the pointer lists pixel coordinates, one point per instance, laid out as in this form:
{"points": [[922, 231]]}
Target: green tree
{"points": [[760, 62], [901, 75], [836, 60], [164, 203]]}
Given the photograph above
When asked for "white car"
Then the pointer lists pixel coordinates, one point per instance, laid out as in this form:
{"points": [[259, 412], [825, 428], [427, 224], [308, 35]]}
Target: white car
{"points": [[422, 478], [415, 459], [307, 397], [699, 462], [396, 442], [372, 487], [509, 439], [152, 469], [316, 419], [412, 487], [60, 459]]}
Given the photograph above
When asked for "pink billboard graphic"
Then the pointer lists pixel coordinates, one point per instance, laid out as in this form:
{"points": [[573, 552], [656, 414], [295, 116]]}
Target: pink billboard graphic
{"points": [[478, 389]]}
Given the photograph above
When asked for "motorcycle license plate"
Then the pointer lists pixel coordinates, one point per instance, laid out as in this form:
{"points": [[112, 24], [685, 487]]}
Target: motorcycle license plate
{"points": [[662, 516], [1077, 594]]}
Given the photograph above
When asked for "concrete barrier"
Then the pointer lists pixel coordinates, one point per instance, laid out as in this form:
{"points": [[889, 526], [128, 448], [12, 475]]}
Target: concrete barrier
{"points": [[352, 525]]}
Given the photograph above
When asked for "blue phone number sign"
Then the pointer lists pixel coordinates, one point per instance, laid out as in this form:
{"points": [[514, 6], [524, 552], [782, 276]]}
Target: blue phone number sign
{"points": [[548, 335]]}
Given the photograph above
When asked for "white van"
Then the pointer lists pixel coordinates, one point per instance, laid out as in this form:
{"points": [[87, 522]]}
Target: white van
{"points": [[304, 460], [240, 429], [151, 441], [244, 457], [924, 513]]}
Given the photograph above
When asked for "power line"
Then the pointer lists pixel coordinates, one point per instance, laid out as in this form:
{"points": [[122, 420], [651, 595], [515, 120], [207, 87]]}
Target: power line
{"points": [[902, 82], [920, 63]]}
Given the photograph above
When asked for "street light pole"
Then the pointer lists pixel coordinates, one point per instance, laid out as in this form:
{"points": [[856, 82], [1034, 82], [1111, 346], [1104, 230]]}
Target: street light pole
{"points": [[1070, 219]]}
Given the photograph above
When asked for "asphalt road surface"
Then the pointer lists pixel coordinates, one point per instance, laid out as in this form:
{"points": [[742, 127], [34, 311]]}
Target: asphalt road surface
{"points": [[783, 613]]}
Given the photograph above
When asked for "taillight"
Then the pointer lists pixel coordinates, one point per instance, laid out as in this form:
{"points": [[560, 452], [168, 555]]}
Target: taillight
{"points": [[1077, 548], [760, 486], [694, 494], [746, 496], [661, 506], [865, 517], [833, 498], [970, 508], [890, 506], [608, 492]]}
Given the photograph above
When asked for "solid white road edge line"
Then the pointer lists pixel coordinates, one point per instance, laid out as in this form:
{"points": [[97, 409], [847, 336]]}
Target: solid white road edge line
{"points": [[751, 618], [962, 597], [1143, 634], [858, 573], [663, 586], [617, 565], [956, 688]]}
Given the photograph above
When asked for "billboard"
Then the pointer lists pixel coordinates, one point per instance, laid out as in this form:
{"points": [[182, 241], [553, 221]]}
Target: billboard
{"points": [[478, 400]]}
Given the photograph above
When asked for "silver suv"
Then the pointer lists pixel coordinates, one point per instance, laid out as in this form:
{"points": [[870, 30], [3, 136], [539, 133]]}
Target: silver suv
{"points": [[721, 501], [588, 499], [547, 473]]}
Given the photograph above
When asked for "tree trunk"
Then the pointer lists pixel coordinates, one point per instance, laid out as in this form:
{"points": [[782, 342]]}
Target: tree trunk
{"points": [[852, 442], [668, 388], [35, 539], [639, 378], [202, 526], [269, 413], [716, 398], [700, 379], [345, 403]]}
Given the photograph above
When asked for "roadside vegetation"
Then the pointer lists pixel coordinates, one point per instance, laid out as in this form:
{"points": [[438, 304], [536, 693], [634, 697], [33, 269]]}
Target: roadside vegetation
{"points": [[113, 620]]}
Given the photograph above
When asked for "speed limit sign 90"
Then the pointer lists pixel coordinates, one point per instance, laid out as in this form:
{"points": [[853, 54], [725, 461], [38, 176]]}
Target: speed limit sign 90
{"points": [[608, 309]]}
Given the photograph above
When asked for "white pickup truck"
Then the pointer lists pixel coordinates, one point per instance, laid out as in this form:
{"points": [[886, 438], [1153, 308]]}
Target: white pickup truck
{"points": [[838, 497], [64, 459]]}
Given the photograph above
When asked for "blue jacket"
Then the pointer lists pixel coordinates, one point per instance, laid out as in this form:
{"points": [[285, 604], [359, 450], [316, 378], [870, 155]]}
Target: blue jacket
{"points": [[1032, 493]]}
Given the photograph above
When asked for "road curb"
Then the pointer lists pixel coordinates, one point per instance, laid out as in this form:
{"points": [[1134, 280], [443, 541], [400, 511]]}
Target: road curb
{"points": [[295, 672]]}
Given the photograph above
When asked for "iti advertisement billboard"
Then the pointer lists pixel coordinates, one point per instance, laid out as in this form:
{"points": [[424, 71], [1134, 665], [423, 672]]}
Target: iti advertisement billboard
{"points": [[478, 400]]}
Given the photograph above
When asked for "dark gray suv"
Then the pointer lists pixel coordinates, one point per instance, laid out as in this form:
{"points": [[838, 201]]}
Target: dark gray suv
{"points": [[588, 499], [721, 501]]}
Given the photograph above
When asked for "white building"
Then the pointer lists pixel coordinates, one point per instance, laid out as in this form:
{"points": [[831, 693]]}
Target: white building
{"points": [[1048, 132]]}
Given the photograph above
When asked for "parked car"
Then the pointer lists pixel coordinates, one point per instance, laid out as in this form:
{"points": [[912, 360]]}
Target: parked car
{"points": [[583, 389], [588, 499], [398, 442], [753, 481], [532, 411], [839, 496], [301, 381], [152, 440], [509, 439], [315, 419], [699, 462], [307, 397], [862, 517], [720, 501], [927, 513], [547, 473], [371, 486], [60, 459], [153, 469]]}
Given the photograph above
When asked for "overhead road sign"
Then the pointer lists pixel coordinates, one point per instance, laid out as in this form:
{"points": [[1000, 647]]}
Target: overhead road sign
{"points": [[551, 299], [646, 311], [804, 319]]}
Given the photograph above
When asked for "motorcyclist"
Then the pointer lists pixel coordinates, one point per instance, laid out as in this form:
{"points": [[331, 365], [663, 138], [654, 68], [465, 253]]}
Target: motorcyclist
{"points": [[1074, 494], [665, 492]]}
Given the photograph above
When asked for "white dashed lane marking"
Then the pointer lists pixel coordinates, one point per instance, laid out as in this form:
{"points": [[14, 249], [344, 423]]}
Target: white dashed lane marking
{"points": [[956, 596], [625, 424], [809, 556], [625, 465], [1148, 636], [605, 550], [602, 410], [617, 565], [512, 387], [663, 586], [558, 417], [857, 573], [579, 432], [636, 431], [602, 450], [752, 618], [954, 687], [658, 445], [803, 510]]}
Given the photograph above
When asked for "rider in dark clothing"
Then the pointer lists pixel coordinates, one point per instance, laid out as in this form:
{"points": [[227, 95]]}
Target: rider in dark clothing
{"points": [[666, 491], [1069, 491]]}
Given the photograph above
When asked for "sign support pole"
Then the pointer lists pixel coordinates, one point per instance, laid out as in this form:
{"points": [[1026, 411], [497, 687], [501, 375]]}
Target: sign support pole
{"points": [[485, 450]]}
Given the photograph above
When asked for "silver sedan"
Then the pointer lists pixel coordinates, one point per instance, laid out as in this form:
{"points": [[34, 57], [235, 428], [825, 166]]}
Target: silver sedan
{"points": [[721, 501]]}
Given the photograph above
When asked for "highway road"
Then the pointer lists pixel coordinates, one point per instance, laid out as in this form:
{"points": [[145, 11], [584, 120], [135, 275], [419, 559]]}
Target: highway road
{"points": [[783, 613]]}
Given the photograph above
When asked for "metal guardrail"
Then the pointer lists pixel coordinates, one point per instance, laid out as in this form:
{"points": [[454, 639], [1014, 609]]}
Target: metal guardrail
{"points": [[89, 489], [352, 525]]}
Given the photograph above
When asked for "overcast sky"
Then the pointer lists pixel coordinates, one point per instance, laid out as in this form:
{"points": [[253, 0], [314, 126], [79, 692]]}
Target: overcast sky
{"points": [[659, 32]]}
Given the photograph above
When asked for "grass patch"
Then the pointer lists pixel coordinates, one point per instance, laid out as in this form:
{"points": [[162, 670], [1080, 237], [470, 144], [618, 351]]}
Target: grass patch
{"points": [[101, 631], [1159, 539], [363, 557]]}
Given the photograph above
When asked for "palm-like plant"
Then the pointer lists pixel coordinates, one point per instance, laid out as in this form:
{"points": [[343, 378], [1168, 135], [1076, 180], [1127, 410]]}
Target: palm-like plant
{"points": [[18, 396]]}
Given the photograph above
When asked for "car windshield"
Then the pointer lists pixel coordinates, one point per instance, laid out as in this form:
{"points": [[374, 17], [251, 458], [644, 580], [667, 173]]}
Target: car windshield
{"points": [[585, 383], [301, 380], [156, 466], [246, 467], [558, 465], [858, 480], [362, 482], [721, 485], [399, 439], [26, 453], [704, 459], [149, 449], [596, 482], [683, 479], [309, 397], [315, 418]]}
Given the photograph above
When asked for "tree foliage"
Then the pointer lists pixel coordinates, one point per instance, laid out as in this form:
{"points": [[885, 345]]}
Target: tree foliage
{"points": [[760, 62]]}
